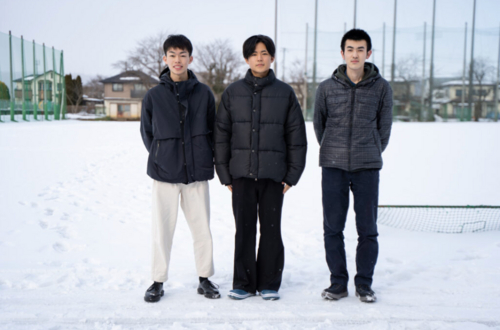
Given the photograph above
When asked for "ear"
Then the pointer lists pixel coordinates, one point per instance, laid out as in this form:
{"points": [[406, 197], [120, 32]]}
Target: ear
{"points": [[272, 59], [369, 54], [165, 59], [246, 60], [190, 59], [342, 54]]}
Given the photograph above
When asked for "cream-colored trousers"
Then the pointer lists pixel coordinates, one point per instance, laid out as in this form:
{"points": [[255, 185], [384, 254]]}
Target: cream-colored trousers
{"points": [[195, 203]]}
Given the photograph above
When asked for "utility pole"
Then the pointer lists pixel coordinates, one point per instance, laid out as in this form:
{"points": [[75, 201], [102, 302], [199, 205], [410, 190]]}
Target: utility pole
{"points": [[422, 99], [275, 35], [304, 109], [431, 74], [355, 3], [471, 70], [498, 77], [315, 48], [383, 51], [393, 66], [462, 111]]}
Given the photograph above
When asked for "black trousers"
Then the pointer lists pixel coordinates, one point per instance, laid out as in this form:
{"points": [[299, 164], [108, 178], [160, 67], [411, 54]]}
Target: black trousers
{"points": [[261, 198], [364, 185]]}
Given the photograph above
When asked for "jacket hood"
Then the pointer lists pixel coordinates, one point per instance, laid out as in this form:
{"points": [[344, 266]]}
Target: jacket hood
{"points": [[259, 83], [371, 71], [184, 88]]}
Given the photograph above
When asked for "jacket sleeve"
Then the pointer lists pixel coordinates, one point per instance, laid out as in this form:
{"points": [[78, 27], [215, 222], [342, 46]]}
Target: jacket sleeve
{"points": [[296, 142], [211, 117], [384, 120], [320, 114], [147, 122], [223, 132]]}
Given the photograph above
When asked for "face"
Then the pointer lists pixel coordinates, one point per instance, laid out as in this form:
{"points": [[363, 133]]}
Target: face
{"points": [[177, 61], [355, 54], [260, 61]]}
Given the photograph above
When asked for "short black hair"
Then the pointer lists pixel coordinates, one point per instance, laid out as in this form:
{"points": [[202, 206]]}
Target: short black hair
{"points": [[179, 41], [251, 43], [357, 35]]}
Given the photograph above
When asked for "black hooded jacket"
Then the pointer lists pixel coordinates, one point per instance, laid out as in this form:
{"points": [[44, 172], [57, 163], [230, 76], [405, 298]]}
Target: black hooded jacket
{"points": [[177, 122], [260, 132]]}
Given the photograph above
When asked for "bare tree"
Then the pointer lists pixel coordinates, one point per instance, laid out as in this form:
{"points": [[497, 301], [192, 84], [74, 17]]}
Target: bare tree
{"points": [[146, 57], [299, 83], [482, 73], [407, 70], [94, 88], [218, 65]]}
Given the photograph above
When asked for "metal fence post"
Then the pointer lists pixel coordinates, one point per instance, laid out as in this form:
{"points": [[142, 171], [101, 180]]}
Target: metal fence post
{"points": [[33, 98], [63, 95], [12, 93]]}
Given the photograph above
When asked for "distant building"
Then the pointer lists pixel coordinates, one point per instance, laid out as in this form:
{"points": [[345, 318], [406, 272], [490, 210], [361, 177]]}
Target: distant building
{"points": [[33, 87], [124, 92]]}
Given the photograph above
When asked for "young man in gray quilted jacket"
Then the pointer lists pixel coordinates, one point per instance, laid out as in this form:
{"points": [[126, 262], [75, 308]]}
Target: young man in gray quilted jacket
{"points": [[352, 122]]}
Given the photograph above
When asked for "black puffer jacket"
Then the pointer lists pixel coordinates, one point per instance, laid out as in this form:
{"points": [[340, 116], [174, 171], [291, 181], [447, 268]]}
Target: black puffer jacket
{"points": [[353, 122], [177, 122], [260, 132]]}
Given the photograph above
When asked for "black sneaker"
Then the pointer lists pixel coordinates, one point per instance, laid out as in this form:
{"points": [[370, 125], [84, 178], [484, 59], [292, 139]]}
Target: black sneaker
{"points": [[154, 292], [334, 292], [365, 293], [209, 289]]}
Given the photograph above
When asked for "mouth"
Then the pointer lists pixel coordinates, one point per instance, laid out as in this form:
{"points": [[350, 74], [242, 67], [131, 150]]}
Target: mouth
{"points": [[354, 62], [260, 64], [177, 67]]}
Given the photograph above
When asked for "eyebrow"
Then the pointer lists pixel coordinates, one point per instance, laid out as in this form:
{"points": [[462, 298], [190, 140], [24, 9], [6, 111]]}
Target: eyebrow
{"points": [[360, 47], [182, 52]]}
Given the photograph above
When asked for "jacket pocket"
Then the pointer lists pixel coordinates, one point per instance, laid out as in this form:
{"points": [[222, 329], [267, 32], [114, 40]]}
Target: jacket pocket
{"points": [[367, 107], [202, 151], [168, 156]]}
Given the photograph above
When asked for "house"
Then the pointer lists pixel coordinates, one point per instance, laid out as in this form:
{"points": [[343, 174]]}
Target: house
{"points": [[33, 87], [124, 92]]}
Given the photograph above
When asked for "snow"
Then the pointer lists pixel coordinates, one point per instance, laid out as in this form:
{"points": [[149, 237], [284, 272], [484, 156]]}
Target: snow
{"points": [[129, 78], [75, 238]]}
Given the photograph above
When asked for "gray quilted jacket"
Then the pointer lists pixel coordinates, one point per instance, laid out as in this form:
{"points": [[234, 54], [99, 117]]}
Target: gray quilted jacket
{"points": [[353, 122]]}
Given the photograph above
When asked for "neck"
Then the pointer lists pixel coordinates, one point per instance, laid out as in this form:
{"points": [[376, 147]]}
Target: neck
{"points": [[355, 75], [177, 78], [259, 74]]}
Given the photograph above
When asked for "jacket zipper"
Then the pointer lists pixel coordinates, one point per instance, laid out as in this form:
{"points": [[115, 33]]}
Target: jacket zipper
{"points": [[157, 148], [353, 91]]}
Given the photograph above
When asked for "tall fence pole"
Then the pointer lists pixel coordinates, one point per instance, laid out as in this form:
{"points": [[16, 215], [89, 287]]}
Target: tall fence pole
{"points": [[283, 65], [54, 86], [63, 97], [22, 80], [46, 114], [355, 3], [315, 48], [498, 78], [383, 51], [471, 70], [462, 111], [422, 97], [393, 65], [431, 74], [276, 35], [33, 98], [12, 93]]}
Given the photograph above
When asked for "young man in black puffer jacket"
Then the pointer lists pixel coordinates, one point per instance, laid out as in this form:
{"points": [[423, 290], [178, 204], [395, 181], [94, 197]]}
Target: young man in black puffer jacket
{"points": [[260, 152], [177, 123], [352, 122]]}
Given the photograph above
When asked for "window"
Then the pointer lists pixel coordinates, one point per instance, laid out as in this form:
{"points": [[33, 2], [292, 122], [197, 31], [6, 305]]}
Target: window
{"points": [[117, 87], [458, 92], [123, 110], [139, 87]]}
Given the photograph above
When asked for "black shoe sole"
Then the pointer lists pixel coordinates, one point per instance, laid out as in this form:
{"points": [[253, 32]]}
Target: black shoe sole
{"points": [[366, 299], [333, 296], [209, 295], [153, 298]]}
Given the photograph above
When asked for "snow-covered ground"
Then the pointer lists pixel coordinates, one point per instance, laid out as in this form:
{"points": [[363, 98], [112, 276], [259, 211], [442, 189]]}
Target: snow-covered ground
{"points": [[75, 238]]}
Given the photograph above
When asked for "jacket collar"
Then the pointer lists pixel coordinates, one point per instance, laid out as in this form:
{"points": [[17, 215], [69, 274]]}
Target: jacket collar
{"points": [[371, 74], [183, 88], [259, 83]]}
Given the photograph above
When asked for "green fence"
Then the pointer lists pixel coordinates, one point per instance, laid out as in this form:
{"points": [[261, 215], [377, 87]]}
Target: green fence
{"points": [[32, 83]]}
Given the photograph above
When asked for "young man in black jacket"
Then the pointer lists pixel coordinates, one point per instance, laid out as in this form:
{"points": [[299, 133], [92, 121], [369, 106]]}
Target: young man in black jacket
{"points": [[177, 123], [260, 152], [352, 122]]}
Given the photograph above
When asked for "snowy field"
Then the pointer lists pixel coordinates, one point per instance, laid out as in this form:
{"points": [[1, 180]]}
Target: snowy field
{"points": [[75, 238]]}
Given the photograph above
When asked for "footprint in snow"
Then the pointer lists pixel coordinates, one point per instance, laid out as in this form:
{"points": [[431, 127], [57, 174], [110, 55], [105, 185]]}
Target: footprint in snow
{"points": [[22, 202], [34, 205], [49, 212], [43, 224], [60, 247], [394, 261]]}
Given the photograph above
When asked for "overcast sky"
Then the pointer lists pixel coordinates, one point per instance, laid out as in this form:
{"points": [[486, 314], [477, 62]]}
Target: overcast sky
{"points": [[96, 33]]}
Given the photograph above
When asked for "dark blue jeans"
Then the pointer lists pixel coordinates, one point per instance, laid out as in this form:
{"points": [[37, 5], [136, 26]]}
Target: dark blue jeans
{"points": [[364, 186]]}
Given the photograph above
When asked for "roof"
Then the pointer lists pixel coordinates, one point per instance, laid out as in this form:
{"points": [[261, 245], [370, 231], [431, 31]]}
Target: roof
{"points": [[30, 77], [129, 77], [459, 83]]}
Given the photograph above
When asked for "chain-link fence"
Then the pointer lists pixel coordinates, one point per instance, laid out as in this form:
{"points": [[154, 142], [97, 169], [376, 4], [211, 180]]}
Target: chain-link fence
{"points": [[32, 85]]}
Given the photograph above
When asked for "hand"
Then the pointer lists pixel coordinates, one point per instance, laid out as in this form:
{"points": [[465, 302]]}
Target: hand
{"points": [[287, 187], [230, 187]]}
